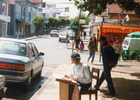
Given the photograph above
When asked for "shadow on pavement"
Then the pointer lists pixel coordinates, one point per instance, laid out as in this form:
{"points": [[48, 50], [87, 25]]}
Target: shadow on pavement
{"points": [[125, 89], [16, 90]]}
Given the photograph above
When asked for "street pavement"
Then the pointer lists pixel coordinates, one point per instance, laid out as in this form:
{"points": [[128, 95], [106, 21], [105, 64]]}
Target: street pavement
{"points": [[126, 75]]}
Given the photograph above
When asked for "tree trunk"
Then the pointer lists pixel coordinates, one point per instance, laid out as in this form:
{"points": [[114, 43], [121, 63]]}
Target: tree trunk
{"points": [[37, 32], [76, 35]]}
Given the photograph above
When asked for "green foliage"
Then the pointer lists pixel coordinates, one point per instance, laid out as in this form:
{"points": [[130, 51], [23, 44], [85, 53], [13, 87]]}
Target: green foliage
{"points": [[99, 6], [38, 21], [75, 22], [53, 22]]}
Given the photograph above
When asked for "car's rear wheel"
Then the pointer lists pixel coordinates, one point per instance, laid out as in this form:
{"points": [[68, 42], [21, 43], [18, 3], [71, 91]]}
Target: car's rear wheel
{"points": [[38, 76], [28, 82]]}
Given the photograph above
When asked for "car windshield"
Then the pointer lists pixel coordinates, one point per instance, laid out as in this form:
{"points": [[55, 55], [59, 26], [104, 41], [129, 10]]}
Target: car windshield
{"points": [[12, 48], [126, 42]]}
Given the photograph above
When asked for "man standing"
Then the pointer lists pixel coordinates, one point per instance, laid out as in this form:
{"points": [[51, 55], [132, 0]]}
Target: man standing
{"points": [[67, 36], [85, 34], [108, 56]]}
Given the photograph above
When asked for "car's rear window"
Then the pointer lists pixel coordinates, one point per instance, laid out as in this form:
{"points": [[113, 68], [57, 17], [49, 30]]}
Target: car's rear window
{"points": [[126, 42], [12, 48]]}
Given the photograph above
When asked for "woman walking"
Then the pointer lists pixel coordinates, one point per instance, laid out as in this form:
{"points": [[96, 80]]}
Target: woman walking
{"points": [[92, 48]]}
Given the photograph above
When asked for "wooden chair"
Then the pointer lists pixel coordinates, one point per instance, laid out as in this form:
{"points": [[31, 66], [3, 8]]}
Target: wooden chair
{"points": [[94, 89]]}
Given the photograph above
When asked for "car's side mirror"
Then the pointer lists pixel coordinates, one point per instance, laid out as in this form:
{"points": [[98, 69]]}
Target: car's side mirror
{"points": [[41, 54]]}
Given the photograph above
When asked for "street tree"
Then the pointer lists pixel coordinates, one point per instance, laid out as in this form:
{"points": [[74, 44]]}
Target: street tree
{"points": [[62, 21], [99, 6], [75, 23], [38, 21]]}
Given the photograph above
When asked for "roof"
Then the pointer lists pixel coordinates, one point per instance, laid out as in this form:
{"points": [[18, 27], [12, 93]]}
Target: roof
{"points": [[114, 8]]}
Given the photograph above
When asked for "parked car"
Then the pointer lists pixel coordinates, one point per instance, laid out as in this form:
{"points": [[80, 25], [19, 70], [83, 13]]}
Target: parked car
{"points": [[2, 86], [54, 33], [20, 61], [71, 35], [131, 44], [62, 38]]}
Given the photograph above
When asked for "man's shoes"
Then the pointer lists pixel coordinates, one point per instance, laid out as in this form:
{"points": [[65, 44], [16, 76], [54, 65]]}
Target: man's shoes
{"points": [[111, 94]]}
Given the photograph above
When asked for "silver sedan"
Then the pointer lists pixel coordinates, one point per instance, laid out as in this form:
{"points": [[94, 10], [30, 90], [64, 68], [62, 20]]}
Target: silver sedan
{"points": [[20, 61]]}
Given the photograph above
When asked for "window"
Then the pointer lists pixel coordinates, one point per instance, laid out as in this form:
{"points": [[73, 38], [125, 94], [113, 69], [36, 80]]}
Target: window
{"points": [[13, 48]]}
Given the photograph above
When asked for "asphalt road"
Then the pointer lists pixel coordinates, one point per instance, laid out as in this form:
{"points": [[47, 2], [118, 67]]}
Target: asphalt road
{"points": [[56, 53]]}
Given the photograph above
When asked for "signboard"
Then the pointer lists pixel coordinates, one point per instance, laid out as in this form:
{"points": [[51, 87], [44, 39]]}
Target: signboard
{"points": [[5, 18], [51, 10], [74, 26], [82, 21], [66, 9], [40, 10]]}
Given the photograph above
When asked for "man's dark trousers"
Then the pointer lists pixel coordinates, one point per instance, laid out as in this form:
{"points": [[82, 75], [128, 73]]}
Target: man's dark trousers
{"points": [[107, 76]]}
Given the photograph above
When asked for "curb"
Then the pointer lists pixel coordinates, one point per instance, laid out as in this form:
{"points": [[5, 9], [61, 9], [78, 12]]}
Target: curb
{"points": [[44, 85]]}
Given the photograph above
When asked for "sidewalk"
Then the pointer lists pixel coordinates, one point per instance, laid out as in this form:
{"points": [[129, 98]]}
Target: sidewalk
{"points": [[121, 75]]}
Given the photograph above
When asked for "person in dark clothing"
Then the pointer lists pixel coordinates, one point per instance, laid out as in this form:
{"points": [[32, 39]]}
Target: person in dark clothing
{"points": [[85, 35], [92, 48], [77, 43], [108, 56]]}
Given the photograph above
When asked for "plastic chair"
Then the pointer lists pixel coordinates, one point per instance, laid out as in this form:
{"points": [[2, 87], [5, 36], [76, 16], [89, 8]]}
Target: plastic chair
{"points": [[92, 90], [127, 54]]}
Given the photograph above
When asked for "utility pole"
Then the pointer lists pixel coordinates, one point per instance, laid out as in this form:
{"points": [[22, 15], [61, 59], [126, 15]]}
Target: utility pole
{"points": [[101, 35], [1, 1], [79, 22], [24, 21]]}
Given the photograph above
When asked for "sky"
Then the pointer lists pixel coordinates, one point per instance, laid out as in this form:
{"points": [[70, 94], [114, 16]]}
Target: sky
{"points": [[73, 11]]}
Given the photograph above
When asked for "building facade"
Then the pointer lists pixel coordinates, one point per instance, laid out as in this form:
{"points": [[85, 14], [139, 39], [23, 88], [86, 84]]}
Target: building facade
{"points": [[12, 16]]}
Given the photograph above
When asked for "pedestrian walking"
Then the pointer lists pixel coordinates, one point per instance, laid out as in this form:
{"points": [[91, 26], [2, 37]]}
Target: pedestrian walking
{"points": [[85, 34], [81, 46], [77, 41], [118, 48], [107, 57], [92, 48], [67, 36], [80, 73]]}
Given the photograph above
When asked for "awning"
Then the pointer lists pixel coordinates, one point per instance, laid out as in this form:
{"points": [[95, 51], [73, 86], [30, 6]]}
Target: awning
{"points": [[19, 21]]}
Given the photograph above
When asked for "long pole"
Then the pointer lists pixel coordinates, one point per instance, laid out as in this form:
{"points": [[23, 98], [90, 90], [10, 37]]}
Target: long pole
{"points": [[79, 22], [1, 1], [24, 21], [100, 36]]}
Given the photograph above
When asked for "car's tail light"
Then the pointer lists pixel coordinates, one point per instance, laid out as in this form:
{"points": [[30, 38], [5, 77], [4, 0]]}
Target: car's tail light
{"points": [[12, 66], [17, 67], [5, 65]]}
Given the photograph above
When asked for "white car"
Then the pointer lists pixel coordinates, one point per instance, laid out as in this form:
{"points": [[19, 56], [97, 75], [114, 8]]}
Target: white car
{"points": [[54, 33], [20, 61], [71, 35], [62, 38]]}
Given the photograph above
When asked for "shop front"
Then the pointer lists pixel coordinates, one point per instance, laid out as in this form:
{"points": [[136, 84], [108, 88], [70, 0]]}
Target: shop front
{"points": [[111, 32]]}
